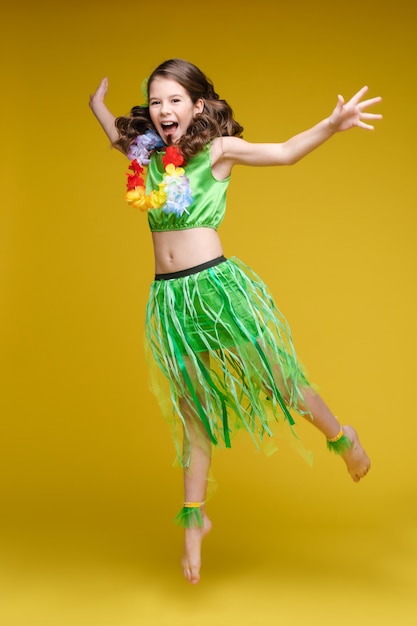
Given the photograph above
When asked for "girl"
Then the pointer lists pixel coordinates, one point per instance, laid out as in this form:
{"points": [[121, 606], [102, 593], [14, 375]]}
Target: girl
{"points": [[212, 326]]}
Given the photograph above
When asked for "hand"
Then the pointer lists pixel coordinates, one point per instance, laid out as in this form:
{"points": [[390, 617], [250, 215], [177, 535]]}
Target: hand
{"points": [[100, 93], [102, 113], [350, 114]]}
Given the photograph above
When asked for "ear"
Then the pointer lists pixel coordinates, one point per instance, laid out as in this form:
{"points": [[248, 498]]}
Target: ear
{"points": [[199, 106]]}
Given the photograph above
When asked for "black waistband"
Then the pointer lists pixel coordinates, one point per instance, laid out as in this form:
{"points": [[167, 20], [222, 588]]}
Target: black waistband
{"points": [[191, 270]]}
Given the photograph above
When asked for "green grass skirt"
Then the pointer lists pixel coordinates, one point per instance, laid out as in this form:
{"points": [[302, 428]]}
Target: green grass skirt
{"points": [[226, 356]]}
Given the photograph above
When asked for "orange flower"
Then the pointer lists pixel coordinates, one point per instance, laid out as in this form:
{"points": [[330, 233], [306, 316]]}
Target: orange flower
{"points": [[174, 190]]}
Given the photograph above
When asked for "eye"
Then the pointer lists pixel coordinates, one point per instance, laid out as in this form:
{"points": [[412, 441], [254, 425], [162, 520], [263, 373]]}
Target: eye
{"points": [[153, 103], [175, 100]]}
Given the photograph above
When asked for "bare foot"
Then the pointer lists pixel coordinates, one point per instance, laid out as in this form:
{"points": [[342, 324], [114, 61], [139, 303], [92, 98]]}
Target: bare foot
{"points": [[191, 560], [356, 459]]}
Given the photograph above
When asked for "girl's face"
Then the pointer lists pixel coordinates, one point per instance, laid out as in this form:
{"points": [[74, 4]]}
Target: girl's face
{"points": [[171, 108]]}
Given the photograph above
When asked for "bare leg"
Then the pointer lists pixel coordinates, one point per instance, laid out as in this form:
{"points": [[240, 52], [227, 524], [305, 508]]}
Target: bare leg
{"points": [[197, 450], [195, 488], [356, 459]]}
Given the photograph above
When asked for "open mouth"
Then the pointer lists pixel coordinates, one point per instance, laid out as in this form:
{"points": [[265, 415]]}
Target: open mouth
{"points": [[169, 128]]}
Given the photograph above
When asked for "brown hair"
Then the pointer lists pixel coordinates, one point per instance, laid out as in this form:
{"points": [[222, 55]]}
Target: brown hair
{"points": [[216, 119]]}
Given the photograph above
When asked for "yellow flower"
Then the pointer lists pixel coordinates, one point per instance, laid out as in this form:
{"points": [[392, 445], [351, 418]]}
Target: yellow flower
{"points": [[173, 191], [137, 198], [157, 198], [171, 170], [134, 194]]}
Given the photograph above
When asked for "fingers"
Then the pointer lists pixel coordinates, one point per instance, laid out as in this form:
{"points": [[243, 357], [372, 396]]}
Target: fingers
{"points": [[103, 85], [340, 102], [368, 116], [359, 106], [101, 90], [350, 114], [367, 103], [355, 99], [371, 116], [361, 124]]}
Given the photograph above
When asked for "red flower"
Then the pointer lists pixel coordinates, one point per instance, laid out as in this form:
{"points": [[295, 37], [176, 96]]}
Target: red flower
{"points": [[135, 180], [174, 156], [136, 167]]}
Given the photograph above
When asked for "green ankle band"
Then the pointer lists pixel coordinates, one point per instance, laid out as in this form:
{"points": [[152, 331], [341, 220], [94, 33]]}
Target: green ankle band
{"points": [[190, 517], [339, 444]]}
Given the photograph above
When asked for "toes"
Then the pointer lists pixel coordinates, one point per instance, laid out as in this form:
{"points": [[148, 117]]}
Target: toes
{"points": [[360, 474], [191, 575], [191, 561], [194, 578]]}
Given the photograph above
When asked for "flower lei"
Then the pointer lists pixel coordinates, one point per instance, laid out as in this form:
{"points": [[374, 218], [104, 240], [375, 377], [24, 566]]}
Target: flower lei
{"points": [[173, 193]]}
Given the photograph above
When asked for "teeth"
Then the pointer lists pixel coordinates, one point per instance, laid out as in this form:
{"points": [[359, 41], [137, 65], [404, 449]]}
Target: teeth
{"points": [[167, 124]]}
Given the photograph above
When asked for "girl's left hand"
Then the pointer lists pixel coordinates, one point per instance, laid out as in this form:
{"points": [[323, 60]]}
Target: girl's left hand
{"points": [[350, 114]]}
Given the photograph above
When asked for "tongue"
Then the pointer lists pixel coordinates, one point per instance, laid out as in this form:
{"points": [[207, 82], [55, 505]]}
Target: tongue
{"points": [[170, 130]]}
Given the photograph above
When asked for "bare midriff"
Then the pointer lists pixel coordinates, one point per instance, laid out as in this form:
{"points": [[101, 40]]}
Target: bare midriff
{"points": [[180, 249]]}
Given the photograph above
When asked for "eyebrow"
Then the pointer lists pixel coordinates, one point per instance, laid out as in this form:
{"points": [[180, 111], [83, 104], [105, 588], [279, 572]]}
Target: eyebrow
{"points": [[174, 95]]}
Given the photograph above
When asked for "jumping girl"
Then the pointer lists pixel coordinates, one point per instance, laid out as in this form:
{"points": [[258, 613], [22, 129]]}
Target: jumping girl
{"points": [[212, 327]]}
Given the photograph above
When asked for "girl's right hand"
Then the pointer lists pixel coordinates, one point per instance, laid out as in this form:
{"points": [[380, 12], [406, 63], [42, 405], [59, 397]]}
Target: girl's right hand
{"points": [[100, 93], [102, 113]]}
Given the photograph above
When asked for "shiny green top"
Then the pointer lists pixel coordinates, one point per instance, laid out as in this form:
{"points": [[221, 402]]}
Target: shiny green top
{"points": [[209, 195]]}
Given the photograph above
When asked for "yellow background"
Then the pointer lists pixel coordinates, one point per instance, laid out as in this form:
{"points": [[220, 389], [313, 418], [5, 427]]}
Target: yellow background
{"points": [[88, 491]]}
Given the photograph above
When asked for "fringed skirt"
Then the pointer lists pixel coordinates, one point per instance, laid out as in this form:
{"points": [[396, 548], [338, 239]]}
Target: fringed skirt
{"points": [[226, 355]]}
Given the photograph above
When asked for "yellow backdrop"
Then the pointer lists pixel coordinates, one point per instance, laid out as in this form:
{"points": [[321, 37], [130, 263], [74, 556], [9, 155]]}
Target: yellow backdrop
{"points": [[88, 490]]}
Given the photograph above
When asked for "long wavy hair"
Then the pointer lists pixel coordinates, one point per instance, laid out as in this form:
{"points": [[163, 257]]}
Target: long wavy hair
{"points": [[216, 119]]}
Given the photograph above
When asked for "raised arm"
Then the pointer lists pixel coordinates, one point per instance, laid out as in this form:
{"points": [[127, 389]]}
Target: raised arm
{"points": [[233, 150], [102, 113]]}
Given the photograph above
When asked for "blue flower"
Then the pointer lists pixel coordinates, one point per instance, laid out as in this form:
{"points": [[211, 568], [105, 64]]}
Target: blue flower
{"points": [[179, 195], [143, 145]]}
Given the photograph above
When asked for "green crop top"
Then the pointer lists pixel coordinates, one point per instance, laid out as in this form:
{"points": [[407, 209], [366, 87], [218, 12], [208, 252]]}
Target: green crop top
{"points": [[209, 195]]}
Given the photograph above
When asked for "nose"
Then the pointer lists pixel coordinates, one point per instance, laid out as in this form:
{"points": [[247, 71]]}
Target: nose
{"points": [[165, 107]]}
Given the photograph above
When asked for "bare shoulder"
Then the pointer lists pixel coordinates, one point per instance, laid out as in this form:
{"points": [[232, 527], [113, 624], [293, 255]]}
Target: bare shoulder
{"points": [[225, 147], [225, 153], [236, 151], [220, 166]]}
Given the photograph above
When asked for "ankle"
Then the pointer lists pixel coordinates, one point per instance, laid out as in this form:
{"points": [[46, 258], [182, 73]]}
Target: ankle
{"points": [[191, 515], [340, 443]]}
